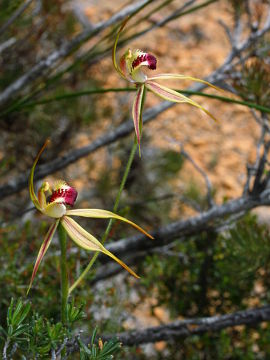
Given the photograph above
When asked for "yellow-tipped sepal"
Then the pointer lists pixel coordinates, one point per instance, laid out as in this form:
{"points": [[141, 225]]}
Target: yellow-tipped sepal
{"points": [[104, 214], [88, 242]]}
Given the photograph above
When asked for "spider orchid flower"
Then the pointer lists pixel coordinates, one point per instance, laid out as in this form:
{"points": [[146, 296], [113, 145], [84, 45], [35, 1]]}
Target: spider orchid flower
{"points": [[131, 67], [55, 201]]}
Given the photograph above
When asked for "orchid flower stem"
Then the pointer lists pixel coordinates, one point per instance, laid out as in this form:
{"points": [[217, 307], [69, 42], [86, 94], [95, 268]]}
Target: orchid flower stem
{"points": [[109, 226], [64, 274]]}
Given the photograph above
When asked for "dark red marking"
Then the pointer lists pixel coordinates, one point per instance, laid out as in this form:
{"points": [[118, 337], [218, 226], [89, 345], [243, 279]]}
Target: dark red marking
{"points": [[69, 196], [152, 61]]}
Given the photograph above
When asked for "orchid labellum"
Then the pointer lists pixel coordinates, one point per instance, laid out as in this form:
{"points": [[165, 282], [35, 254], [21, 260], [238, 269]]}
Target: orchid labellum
{"points": [[55, 201], [131, 67]]}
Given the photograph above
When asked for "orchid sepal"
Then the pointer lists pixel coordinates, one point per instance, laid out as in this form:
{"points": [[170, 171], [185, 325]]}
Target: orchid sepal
{"points": [[137, 113], [182, 77], [43, 249], [45, 187], [174, 96], [104, 214], [115, 46], [31, 178], [88, 242]]}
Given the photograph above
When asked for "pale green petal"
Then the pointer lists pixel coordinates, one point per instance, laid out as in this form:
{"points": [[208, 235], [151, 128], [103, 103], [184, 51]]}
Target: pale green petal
{"points": [[171, 95], [182, 77], [44, 247], [45, 187], [137, 111], [103, 214]]}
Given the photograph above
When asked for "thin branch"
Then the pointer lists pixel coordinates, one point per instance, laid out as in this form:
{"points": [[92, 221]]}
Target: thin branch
{"points": [[48, 63], [105, 52], [209, 189], [176, 14], [237, 29], [135, 255], [252, 169], [79, 12], [206, 220], [53, 357], [5, 348], [5, 45], [134, 248], [58, 353], [16, 14], [190, 327], [236, 51], [17, 184], [227, 31], [259, 181]]}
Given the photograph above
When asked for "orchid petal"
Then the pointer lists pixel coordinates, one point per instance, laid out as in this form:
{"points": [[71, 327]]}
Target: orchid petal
{"points": [[123, 66], [114, 49], [45, 187], [54, 210], [104, 214], [137, 111], [182, 77], [171, 95], [44, 247], [88, 242], [31, 178]]}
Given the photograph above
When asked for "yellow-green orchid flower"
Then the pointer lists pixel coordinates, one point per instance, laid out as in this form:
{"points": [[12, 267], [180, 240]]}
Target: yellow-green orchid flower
{"points": [[131, 69], [54, 201]]}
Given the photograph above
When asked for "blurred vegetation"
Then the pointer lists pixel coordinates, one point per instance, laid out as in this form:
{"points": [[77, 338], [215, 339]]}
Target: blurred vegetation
{"points": [[203, 275], [32, 334]]}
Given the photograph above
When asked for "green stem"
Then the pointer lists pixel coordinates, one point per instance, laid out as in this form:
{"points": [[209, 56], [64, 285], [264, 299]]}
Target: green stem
{"points": [[64, 274], [109, 226], [102, 91]]}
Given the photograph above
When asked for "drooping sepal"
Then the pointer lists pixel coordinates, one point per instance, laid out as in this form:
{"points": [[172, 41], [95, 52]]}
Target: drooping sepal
{"points": [[172, 95], [44, 247], [88, 242], [137, 112], [182, 77]]}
